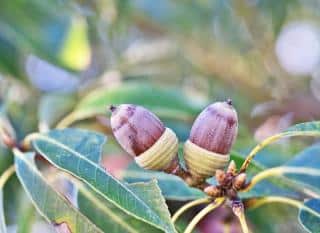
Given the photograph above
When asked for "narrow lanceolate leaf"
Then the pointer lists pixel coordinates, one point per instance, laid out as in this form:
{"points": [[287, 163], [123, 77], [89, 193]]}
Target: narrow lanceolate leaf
{"points": [[311, 221], [307, 128], [73, 151], [53, 206], [109, 217], [164, 103], [303, 129], [309, 160], [172, 187]]}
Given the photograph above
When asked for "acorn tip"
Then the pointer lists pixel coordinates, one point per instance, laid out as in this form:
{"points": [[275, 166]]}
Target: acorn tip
{"points": [[229, 101], [112, 108]]}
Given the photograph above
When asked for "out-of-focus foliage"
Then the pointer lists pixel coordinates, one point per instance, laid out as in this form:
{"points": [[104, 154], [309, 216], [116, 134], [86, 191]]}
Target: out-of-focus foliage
{"points": [[65, 62], [310, 221]]}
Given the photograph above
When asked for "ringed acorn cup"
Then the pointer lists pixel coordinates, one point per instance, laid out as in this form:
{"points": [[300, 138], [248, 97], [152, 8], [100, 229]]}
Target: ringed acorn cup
{"points": [[211, 138], [142, 135]]}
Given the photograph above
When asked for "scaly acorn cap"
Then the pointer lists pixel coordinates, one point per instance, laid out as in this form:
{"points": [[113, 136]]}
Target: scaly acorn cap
{"points": [[142, 135], [211, 138]]}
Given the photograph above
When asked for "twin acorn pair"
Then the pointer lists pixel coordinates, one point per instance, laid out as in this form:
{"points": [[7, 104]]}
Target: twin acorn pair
{"points": [[155, 147]]}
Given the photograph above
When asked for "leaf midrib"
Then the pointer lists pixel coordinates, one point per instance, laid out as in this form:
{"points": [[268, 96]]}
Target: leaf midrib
{"points": [[105, 209], [59, 196]]}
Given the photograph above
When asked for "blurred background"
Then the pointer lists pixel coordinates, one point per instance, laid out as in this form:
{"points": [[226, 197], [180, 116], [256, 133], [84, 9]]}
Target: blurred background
{"points": [[175, 57]]}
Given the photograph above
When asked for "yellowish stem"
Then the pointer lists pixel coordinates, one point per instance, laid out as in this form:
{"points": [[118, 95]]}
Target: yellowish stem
{"points": [[279, 171], [243, 223], [272, 199], [27, 140], [189, 205], [65, 122], [3, 180], [203, 213], [272, 139], [238, 210], [6, 175], [256, 149]]}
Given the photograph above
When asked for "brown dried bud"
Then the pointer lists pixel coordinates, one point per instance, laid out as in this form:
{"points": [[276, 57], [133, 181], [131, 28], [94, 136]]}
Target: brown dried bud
{"points": [[215, 129], [220, 176], [211, 137], [232, 168], [239, 181], [143, 136], [213, 191]]}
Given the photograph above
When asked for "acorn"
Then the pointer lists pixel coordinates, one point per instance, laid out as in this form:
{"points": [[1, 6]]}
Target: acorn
{"points": [[143, 136], [211, 138]]}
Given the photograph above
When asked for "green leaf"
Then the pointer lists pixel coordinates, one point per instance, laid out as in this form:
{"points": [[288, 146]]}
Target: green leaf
{"points": [[3, 228], [88, 143], [308, 158], [309, 221], [307, 128], [78, 152], [172, 187], [53, 206], [276, 11], [165, 103], [20, 36], [107, 216], [274, 218]]}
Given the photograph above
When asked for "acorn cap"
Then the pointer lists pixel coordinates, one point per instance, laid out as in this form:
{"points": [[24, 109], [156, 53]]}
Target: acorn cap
{"points": [[216, 128], [202, 163], [135, 128]]}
